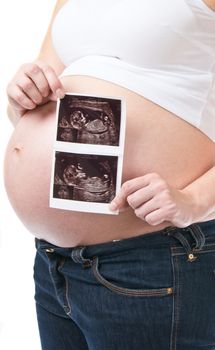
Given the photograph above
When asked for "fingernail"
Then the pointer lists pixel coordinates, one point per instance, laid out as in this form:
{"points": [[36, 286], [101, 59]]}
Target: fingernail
{"points": [[113, 206], [59, 93]]}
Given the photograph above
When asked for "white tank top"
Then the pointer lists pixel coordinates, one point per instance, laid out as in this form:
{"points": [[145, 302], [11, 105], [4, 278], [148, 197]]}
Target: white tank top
{"points": [[162, 50]]}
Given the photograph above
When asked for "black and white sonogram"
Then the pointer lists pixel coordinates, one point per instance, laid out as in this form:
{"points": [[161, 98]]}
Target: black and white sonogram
{"points": [[84, 177], [88, 152], [89, 120]]}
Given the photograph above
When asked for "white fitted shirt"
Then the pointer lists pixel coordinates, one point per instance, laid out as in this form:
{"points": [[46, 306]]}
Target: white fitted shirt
{"points": [[163, 50]]}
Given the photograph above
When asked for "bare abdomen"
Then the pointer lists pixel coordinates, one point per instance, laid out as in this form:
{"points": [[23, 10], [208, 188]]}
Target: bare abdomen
{"points": [[156, 141]]}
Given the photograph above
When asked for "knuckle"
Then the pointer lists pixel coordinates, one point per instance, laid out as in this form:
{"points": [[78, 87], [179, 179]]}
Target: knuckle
{"points": [[36, 97], [162, 187], [172, 208], [154, 175], [20, 97], [126, 187], [39, 99], [47, 70], [58, 84], [26, 85], [33, 68], [168, 213], [139, 213], [8, 88], [55, 83], [151, 221], [151, 177], [166, 195], [44, 90], [130, 200]]}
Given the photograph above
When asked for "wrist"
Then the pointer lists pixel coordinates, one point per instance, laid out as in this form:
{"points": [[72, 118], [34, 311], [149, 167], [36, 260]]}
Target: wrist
{"points": [[198, 207]]}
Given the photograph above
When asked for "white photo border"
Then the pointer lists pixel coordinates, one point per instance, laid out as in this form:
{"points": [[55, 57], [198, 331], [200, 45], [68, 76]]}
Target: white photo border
{"points": [[89, 149]]}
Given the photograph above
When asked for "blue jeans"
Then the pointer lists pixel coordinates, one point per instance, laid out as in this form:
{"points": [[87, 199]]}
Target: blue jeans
{"points": [[151, 292]]}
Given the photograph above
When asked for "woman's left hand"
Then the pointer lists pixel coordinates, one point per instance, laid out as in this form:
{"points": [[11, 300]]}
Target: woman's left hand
{"points": [[154, 201]]}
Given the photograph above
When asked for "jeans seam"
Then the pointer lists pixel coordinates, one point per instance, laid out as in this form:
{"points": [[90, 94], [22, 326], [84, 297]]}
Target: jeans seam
{"points": [[176, 299], [56, 291], [52, 311], [126, 291], [61, 265], [67, 297], [53, 282], [67, 305]]}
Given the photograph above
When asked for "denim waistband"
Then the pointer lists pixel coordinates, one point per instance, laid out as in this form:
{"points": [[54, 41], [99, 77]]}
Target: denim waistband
{"points": [[192, 236]]}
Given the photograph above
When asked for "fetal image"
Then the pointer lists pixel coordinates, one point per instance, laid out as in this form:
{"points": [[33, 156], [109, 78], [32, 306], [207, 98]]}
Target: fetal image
{"points": [[87, 119], [83, 177]]}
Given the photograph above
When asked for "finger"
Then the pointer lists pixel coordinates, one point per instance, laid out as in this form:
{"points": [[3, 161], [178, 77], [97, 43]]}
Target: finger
{"points": [[37, 76], [118, 203], [127, 188], [52, 78], [148, 207], [156, 217], [53, 97], [113, 206], [20, 100], [139, 197], [30, 89]]}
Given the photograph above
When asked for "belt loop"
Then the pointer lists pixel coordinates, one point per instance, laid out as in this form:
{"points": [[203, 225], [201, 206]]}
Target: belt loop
{"points": [[184, 242], [77, 256], [197, 234]]}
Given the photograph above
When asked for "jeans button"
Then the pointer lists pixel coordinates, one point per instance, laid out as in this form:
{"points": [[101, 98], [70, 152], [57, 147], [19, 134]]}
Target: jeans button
{"points": [[49, 250], [169, 290], [191, 257]]}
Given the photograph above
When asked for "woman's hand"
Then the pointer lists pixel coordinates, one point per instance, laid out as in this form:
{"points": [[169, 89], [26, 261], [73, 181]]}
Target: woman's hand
{"points": [[34, 84], [154, 201]]}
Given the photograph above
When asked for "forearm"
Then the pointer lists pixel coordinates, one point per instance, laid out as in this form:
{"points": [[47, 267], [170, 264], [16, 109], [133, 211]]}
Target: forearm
{"points": [[48, 55], [203, 192], [210, 3]]}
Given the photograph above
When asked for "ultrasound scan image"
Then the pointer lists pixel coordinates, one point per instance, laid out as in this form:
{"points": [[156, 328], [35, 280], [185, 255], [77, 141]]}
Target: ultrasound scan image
{"points": [[92, 120], [82, 177]]}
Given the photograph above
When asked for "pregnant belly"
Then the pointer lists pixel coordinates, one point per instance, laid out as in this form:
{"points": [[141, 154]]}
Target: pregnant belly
{"points": [[156, 141]]}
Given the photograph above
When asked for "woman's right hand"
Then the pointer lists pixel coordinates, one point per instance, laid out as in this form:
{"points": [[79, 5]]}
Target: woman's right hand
{"points": [[34, 84]]}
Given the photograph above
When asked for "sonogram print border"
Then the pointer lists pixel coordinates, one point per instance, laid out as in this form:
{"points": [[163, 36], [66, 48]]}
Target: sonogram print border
{"points": [[88, 152]]}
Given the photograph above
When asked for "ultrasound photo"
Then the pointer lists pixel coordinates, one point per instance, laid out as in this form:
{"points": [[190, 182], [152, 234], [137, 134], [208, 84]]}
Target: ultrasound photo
{"points": [[89, 120], [83, 177], [88, 153]]}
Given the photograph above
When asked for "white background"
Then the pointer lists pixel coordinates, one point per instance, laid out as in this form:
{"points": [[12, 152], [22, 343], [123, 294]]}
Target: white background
{"points": [[23, 25]]}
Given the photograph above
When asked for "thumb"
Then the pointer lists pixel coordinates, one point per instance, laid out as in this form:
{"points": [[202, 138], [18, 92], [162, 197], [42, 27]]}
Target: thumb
{"points": [[60, 93], [52, 97]]}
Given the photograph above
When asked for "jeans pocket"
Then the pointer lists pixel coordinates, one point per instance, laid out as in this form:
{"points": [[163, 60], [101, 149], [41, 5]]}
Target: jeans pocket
{"points": [[209, 247], [133, 292]]}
